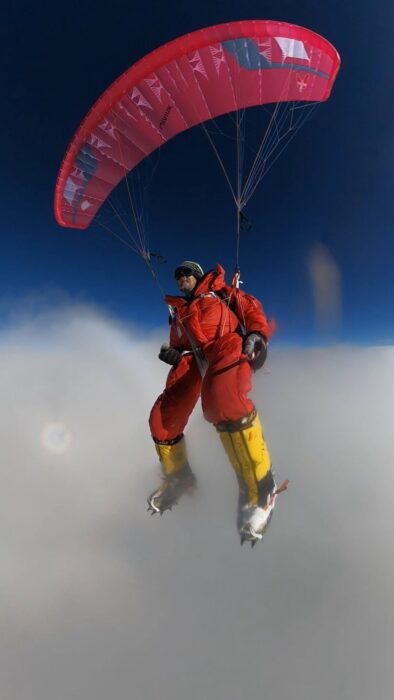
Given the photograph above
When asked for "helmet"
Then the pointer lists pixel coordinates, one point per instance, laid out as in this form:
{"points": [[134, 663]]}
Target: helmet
{"points": [[192, 267]]}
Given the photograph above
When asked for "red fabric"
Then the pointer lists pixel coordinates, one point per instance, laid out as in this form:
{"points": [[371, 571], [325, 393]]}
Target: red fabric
{"points": [[172, 409], [227, 382], [190, 80], [206, 317]]}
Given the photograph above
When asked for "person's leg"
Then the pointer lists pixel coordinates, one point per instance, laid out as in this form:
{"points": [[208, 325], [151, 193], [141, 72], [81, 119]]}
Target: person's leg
{"points": [[226, 404], [167, 421]]}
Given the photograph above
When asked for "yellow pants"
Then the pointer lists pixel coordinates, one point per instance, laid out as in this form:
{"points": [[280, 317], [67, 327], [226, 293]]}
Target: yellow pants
{"points": [[248, 453], [172, 455]]}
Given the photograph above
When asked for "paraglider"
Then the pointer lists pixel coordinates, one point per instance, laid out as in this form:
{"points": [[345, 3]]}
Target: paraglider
{"points": [[218, 333], [222, 69], [226, 329]]}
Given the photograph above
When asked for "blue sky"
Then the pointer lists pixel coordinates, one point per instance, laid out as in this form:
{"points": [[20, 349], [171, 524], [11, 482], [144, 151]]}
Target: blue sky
{"points": [[331, 188], [92, 608]]}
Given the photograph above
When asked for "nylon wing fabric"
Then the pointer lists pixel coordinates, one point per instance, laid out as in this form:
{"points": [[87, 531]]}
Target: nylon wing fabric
{"points": [[186, 82]]}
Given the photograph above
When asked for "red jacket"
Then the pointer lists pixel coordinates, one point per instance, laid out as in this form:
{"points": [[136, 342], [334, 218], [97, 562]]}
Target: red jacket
{"points": [[214, 310]]}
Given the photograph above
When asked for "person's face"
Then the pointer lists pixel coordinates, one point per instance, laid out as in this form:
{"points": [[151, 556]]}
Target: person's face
{"points": [[185, 280]]}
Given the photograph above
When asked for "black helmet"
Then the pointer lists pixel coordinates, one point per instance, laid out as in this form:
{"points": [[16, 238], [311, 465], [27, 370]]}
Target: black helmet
{"points": [[188, 266]]}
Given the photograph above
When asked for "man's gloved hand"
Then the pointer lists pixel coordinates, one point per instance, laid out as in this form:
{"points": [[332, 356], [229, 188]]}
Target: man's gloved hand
{"points": [[255, 347], [169, 355]]}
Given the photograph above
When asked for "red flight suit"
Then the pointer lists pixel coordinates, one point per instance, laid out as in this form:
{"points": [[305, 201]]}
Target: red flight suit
{"points": [[214, 319]]}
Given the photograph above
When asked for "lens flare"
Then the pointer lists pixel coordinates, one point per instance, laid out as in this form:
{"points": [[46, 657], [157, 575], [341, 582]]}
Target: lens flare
{"points": [[56, 438]]}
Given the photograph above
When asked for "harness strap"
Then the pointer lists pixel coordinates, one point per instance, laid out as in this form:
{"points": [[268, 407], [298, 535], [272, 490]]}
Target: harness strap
{"points": [[202, 362]]}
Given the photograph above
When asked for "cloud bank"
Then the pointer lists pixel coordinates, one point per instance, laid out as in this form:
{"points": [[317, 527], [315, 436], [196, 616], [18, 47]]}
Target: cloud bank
{"points": [[100, 600]]}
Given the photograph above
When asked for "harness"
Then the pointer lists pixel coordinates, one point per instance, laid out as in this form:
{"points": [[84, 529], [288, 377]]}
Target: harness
{"points": [[223, 297], [201, 360]]}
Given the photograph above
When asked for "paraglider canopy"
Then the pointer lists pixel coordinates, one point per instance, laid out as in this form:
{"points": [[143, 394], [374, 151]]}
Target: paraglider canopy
{"points": [[186, 82]]}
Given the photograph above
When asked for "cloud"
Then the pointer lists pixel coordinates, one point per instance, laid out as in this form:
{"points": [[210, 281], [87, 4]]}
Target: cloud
{"points": [[101, 600]]}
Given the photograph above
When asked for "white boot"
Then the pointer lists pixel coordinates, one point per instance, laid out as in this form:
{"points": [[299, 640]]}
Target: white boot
{"points": [[254, 520]]}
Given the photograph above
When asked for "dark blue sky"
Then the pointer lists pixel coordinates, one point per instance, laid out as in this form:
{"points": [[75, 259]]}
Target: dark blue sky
{"points": [[333, 185]]}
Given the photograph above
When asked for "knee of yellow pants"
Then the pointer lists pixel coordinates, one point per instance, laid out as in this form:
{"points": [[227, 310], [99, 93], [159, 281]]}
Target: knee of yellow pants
{"points": [[172, 455], [248, 454]]}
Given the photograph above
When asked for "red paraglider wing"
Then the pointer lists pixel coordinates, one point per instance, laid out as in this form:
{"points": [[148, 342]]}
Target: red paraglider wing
{"points": [[186, 82]]}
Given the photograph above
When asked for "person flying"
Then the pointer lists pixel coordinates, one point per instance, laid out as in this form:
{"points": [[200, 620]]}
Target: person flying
{"points": [[218, 337]]}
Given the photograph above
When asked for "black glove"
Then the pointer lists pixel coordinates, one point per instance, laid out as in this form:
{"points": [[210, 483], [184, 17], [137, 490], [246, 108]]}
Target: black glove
{"points": [[255, 347], [169, 355]]}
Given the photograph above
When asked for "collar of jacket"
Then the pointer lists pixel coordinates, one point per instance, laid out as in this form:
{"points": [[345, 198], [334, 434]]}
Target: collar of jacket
{"points": [[212, 281]]}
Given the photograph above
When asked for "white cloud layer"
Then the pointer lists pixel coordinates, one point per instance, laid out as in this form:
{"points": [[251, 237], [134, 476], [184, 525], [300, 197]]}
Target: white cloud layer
{"points": [[99, 600]]}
